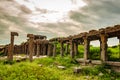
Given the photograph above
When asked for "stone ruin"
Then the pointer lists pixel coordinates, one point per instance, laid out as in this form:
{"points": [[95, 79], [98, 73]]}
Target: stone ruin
{"points": [[39, 45]]}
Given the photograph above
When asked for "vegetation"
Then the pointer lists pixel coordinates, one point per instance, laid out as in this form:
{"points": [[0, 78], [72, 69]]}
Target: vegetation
{"points": [[47, 68]]}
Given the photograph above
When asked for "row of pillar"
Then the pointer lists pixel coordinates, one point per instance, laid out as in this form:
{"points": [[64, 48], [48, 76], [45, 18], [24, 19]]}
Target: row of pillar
{"points": [[86, 41]]}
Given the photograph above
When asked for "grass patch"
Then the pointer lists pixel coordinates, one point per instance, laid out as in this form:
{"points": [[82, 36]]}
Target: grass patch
{"points": [[49, 71]]}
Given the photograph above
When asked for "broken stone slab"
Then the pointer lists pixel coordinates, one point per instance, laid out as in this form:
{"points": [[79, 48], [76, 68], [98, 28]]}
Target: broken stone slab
{"points": [[61, 67], [40, 65], [100, 74], [77, 69]]}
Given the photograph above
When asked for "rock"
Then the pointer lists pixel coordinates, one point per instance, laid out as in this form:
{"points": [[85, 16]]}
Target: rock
{"points": [[77, 69], [100, 74], [23, 59], [108, 70], [61, 67], [87, 77], [18, 60], [40, 65]]}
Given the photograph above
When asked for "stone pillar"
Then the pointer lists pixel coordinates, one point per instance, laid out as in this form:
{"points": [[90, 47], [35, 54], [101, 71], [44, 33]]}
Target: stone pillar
{"points": [[49, 50], [54, 50], [38, 49], [31, 46], [61, 49], [11, 46], [86, 47], [44, 49], [76, 48], [119, 45], [72, 49], [103, 46], [67, 48]]}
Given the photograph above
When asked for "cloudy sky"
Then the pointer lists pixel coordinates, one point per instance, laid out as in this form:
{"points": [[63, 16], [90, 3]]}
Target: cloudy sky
{"points": [[55, 18]]}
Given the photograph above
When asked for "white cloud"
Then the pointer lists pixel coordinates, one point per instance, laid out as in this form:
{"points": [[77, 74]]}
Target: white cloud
{"points": [[58, 9]]}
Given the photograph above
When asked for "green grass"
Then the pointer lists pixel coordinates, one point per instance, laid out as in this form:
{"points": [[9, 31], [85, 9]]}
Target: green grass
{"points": [[49, 71]]}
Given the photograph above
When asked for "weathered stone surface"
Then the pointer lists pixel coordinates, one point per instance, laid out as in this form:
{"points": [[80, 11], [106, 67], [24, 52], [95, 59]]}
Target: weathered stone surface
{"points": [[61, 49], [54, 49], [61, 67], [77, 69], [31, 47], [103, 45], [11, 46], [86, 47], [72, 49]]}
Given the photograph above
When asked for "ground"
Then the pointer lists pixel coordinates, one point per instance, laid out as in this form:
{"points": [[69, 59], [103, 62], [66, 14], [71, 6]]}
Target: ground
{"points": [[46, 68]]}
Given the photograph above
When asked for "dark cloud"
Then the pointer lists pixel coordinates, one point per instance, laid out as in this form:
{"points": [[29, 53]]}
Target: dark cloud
{"points": [[98, 13], [25, 9]]}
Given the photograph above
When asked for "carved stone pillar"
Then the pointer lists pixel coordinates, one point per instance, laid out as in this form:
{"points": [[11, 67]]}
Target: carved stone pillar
{"points": [[61, 49], [31, 47], [72, 49], [103, 46], [86, 47], [54, 50], [76, 48], [38, 49], [49, 50], [11, 46], [119, 45], [44, 49], [67, 48]]}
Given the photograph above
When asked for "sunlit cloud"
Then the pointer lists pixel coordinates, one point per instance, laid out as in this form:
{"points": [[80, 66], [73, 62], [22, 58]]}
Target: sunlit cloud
{"points": [[56, 10]]}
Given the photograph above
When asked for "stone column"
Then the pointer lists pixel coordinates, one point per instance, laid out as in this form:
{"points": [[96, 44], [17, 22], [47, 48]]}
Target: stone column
{"points": [[119, 45], [38, 49], [67, 48], [75, 48], [31, 47], [61, 49], [54, 49], [72, 49], [44, 49], [11, 46], [86, 47], [49, 50], [103, 44]]}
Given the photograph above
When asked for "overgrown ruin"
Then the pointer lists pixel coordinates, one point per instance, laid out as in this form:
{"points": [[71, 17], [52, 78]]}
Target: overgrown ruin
{"points": [[37, 45]]}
